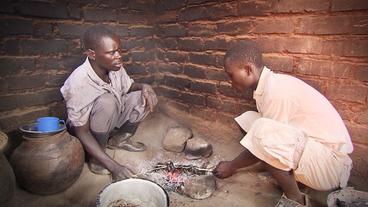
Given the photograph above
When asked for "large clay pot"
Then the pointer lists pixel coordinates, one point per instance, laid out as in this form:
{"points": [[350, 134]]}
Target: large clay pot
{"points": [[7, 179], [47, 164]]}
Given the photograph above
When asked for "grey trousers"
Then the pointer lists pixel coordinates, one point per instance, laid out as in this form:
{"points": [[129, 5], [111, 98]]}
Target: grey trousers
{"points": [[105, 114]]}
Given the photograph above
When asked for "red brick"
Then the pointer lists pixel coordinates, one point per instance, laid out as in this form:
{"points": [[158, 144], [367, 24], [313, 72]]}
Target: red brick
{"points": [[171, 4], [9, 66], [272, 25], [32, 82], [49, 63], [141, 31], [296, 6], [326, 68], [347, 92], [22, 82], [197, 2], [71, 62], [201, 29], [192, 44], [219, 11], [174, 30], [41, 9], [74, 10], [219, 75], [121, 30], [363, 119], [171, 68], [106, 14], [133, 17], [175, 56], [167, 92], [168, 43], [254, 8], [193, 99], [350, 48], [216, 44], [203, 87], [192, 13], [194, 71], [138, 43], [15, 27], [167, 17], [312, 45], [177, 82], [152, 67], [234, 27], [42, 29], [17, 101], [358, 133], [227, 90], [279, 63], [142, 56], [141, 5], [46, 47], [13, 121], [343, 5], [145, 79], [204, 59], [333, 25], [71, 30], [135, 69]]}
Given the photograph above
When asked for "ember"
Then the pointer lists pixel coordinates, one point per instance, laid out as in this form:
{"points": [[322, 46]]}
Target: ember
{"points": [[174, 177]]}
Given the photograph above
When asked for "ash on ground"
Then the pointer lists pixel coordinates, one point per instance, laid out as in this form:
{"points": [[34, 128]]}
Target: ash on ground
{"points": [[186, 179]]}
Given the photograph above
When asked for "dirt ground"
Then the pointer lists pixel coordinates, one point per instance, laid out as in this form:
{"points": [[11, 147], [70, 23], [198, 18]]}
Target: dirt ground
{"points": [[249, 187]]}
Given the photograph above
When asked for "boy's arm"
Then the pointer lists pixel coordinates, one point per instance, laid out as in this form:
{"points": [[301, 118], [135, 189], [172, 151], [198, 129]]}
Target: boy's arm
{"points": [[93, 148]]}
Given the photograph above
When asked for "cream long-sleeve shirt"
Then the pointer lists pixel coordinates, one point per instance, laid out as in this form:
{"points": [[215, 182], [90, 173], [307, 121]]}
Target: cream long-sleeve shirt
{"points": [[291, 101]]}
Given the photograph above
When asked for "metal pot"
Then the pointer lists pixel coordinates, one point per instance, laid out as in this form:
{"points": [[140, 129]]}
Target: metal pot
{"points": [[137, 192]]}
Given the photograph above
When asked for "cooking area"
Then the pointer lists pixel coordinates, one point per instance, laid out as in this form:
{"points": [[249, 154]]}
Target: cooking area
{"points": [[183, 103]]}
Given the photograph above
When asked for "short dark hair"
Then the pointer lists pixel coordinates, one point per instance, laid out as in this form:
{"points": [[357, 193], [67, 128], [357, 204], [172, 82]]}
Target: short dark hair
{"points": [[245, 52], [93, 35]]}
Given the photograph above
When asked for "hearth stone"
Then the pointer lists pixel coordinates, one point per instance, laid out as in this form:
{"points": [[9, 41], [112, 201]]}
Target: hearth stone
{"points": [[197, 148], [176, 138], [199, 187]]}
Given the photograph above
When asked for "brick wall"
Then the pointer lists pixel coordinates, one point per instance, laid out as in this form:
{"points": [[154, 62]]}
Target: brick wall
{"points": [[40, 47], [178, 46], [324, 42]]}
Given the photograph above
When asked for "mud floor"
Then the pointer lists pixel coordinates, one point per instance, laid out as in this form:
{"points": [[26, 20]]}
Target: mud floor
{"points": [[249, 187]]}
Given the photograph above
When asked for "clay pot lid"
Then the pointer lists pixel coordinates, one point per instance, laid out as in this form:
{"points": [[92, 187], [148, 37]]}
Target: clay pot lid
{"points": [[197, 148], [31, 130]]}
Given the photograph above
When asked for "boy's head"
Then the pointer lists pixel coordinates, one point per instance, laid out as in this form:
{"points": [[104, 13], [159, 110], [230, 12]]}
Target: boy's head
{"points": [[243, 64], [103, 47]]}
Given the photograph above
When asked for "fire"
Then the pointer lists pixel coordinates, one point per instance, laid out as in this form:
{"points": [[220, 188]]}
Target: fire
{"points": [[174, 176]]}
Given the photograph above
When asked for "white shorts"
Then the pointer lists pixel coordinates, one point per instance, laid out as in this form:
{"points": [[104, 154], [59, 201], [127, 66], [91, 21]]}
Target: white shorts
{"points": [[288, 148]]}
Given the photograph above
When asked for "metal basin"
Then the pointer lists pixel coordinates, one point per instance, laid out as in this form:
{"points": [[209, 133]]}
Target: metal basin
{"points": [[137, 192]]}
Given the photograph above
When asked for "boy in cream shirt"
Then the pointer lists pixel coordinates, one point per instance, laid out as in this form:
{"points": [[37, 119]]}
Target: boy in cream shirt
{"points": [[297, 134]]}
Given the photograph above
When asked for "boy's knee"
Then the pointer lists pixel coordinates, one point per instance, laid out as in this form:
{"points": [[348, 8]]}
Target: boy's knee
{"points": [[135, 98], [106, 103]]}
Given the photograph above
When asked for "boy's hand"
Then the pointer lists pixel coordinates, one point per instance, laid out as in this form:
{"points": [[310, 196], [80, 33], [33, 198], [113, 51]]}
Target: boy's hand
{"points": [[121, 173], [149, 97]]}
